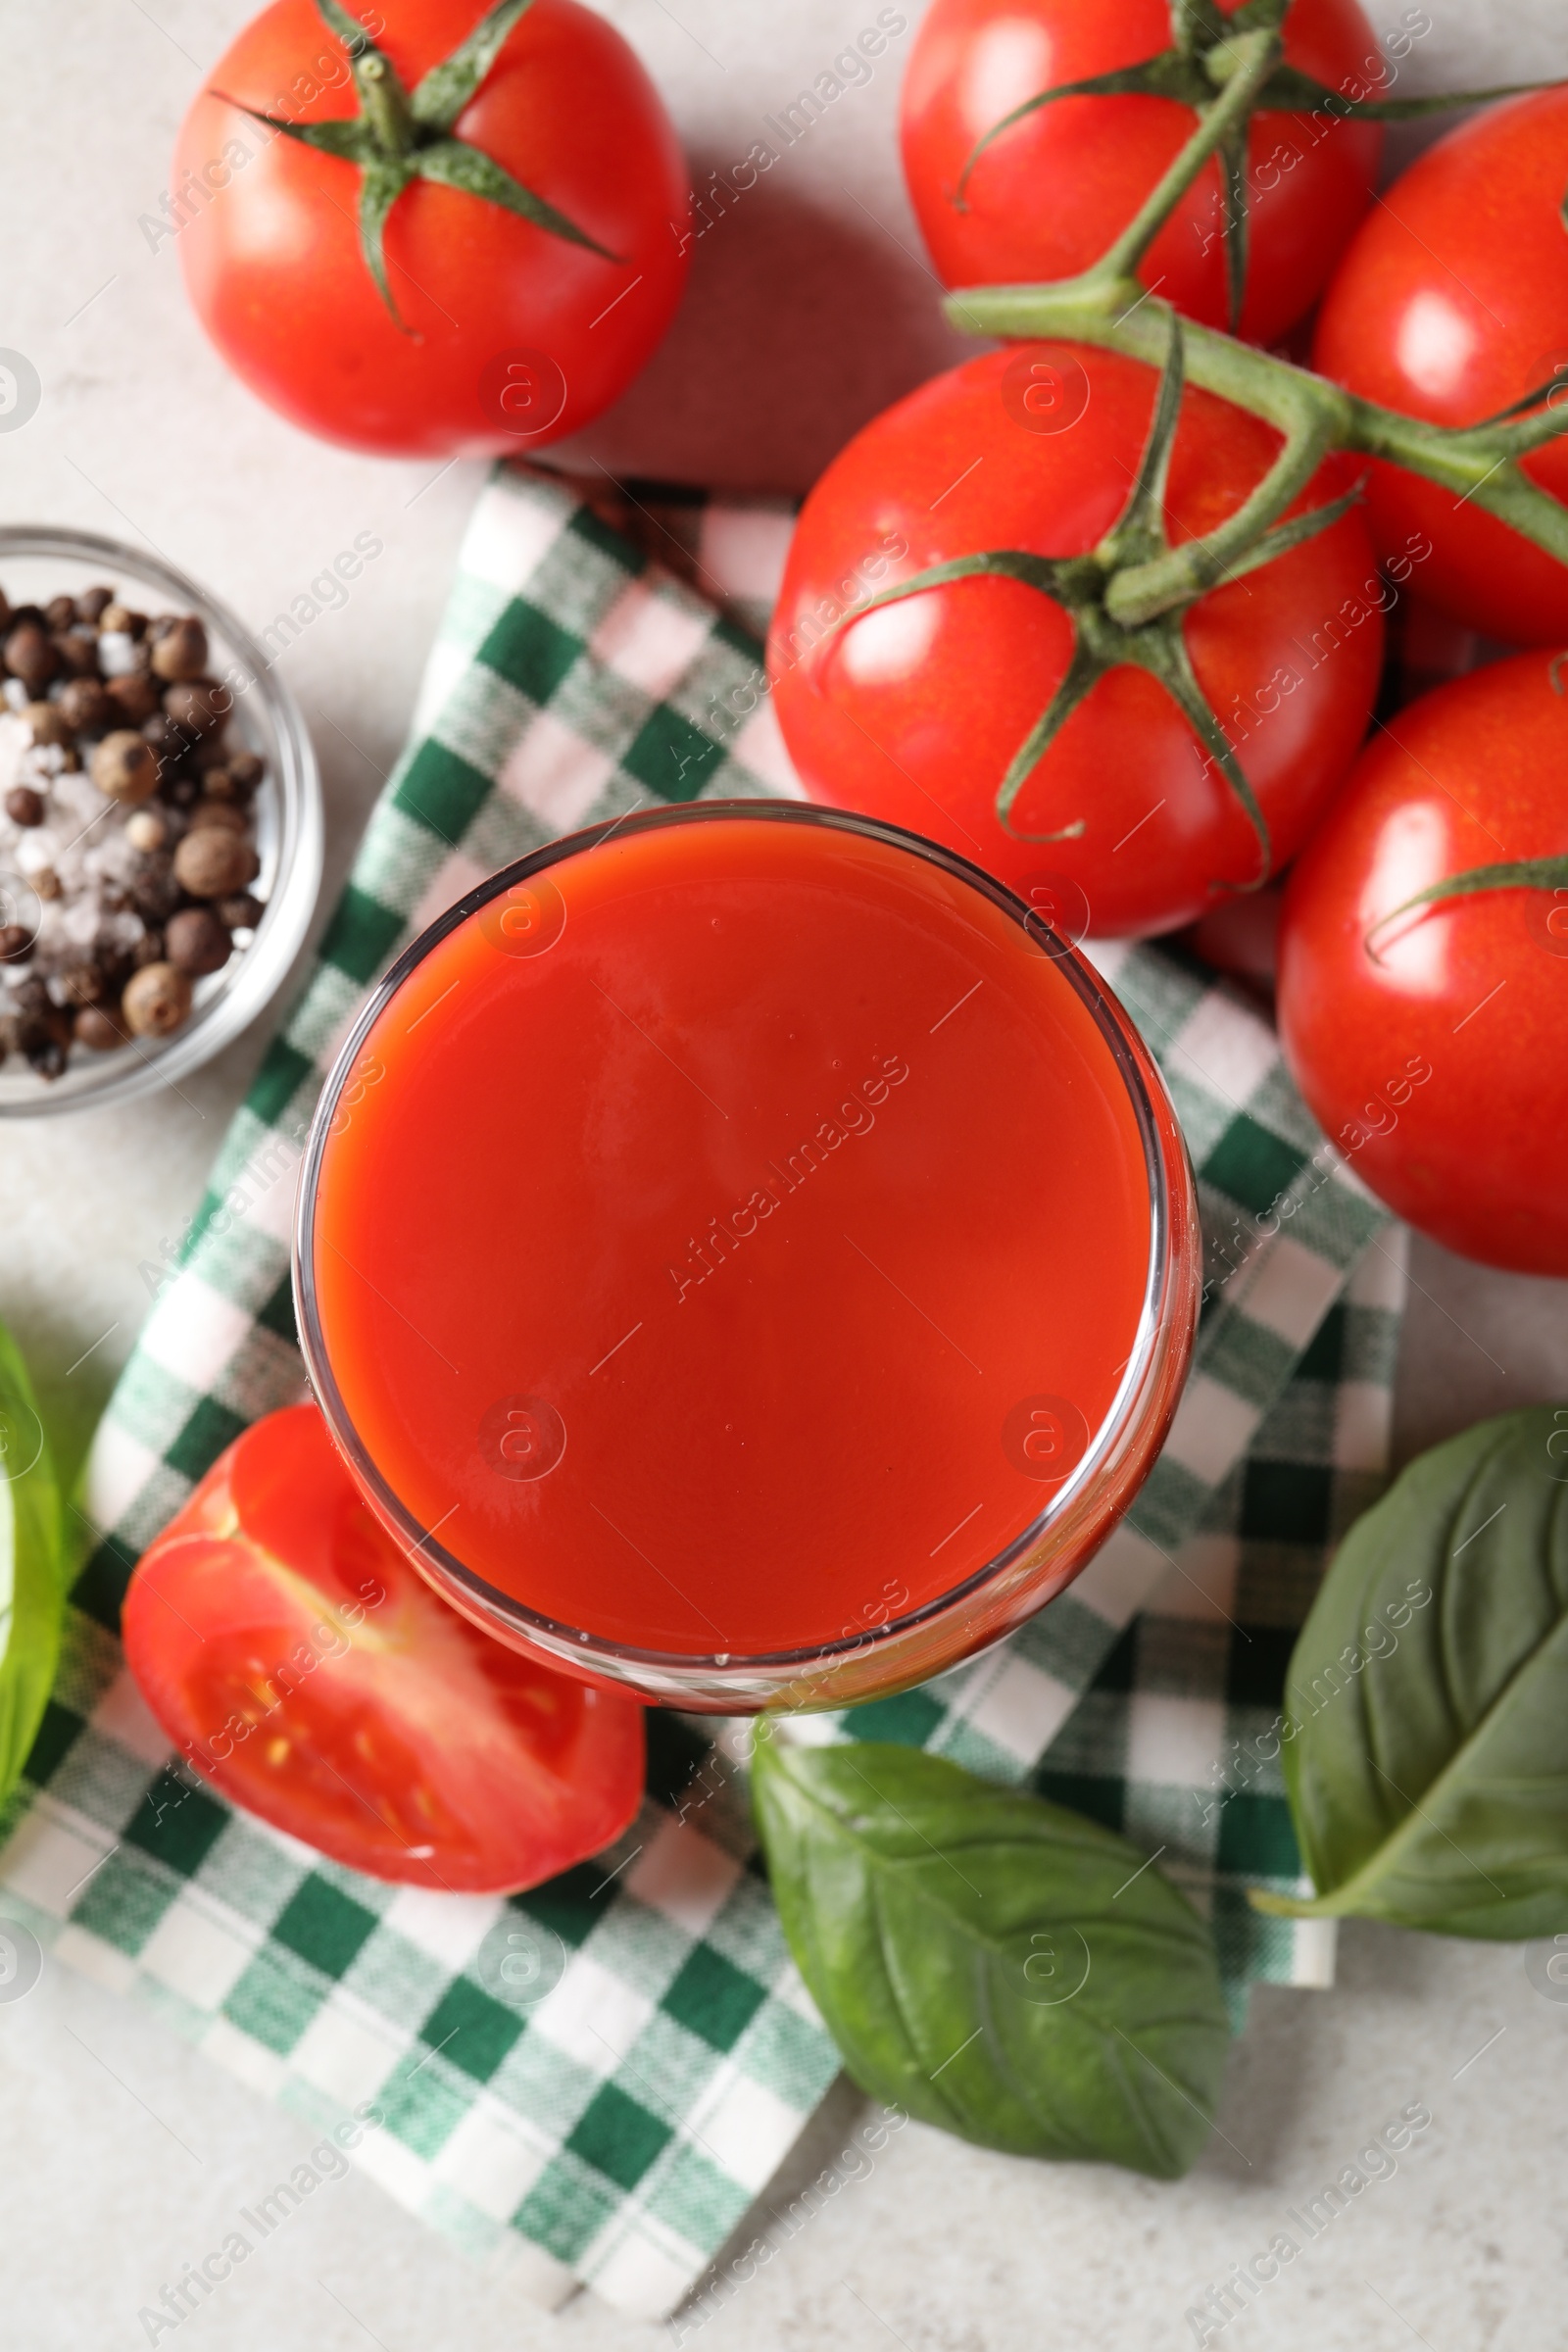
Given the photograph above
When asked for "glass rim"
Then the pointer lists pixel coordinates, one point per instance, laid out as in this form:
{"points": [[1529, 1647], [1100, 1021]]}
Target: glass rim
{"points": [[259, 970], [584, 1648]]}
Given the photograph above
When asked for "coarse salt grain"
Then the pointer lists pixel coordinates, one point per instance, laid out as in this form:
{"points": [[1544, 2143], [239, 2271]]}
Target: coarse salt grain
{"points": [[117, 653]]}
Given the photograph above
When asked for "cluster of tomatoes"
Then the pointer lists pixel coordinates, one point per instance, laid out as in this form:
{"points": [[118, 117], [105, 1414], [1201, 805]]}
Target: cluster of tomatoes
{"points": [[1426, 914], [442, 234]]}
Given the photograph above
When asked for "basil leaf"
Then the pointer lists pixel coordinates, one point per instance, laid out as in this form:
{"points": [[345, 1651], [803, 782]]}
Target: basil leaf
{"points": [[31, 1573], [1428, 1771], [994, 1964]]}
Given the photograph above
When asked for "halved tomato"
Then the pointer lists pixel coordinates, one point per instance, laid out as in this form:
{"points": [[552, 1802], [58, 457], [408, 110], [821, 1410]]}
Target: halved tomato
{"points": [[296, 1658]]}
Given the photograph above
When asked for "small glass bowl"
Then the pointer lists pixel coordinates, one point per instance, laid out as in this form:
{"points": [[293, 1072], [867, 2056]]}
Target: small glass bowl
{"points": [[39, 561]]}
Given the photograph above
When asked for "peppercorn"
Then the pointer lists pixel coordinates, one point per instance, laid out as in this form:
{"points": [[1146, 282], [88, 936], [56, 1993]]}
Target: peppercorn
{"points": [[47, 723], [219, 813], [79, 652], [170, 741], [157, 999], [87, 706], [135, 696], [196, 942], [45, 1039], [200, 704], [181, 650], [96, 1028], [146, 831], [123, 768], [126, 695], [153, 892], [214, 864], [245, 772], [30, 656]]}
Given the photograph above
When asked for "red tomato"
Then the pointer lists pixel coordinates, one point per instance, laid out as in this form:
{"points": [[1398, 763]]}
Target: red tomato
{"points": [[1054, 191], [506, 335], [1432, 1048], [1452, 304], [295, 1657], [915, 712], [1241, 937]]}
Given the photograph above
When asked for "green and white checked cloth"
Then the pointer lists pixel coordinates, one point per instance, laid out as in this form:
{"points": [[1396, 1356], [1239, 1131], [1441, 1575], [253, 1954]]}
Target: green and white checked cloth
{"points": [[617, 2132]]}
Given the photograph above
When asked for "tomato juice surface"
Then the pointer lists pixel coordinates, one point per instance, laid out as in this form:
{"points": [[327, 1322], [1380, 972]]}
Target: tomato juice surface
{"points": [[729, 1237]]}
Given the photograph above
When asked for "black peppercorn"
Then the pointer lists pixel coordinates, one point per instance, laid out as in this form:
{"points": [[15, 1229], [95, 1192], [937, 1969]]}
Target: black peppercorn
{"points": [[30, 656], [170, 740], [201, 703], [241, 914], [45, 1039], [84, 984], [97, 1029], [179, 652], [135, 698], [196, 942], [89, 708]]}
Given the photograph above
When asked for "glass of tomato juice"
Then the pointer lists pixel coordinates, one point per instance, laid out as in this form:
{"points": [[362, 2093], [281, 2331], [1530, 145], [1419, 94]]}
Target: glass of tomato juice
{"points": [[745, 1255]]}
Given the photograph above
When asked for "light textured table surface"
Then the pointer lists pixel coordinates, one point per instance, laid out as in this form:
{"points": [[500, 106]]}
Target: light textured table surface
{"points": [[125, 2154]]}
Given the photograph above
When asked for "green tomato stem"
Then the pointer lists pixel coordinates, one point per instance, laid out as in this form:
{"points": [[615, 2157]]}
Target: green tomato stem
{"points": [[1250, 58], [386, 104], [1478, 462]]}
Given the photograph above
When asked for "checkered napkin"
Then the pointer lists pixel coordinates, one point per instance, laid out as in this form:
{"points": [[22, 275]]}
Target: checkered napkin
{"points": [[615, 2130]]}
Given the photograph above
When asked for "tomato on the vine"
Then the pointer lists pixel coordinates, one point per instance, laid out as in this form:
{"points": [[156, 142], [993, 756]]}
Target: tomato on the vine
{"points": [[474, 260], [1423, 983], [297, 1659], [1047, 196], [916, 711], [1451, 304]]}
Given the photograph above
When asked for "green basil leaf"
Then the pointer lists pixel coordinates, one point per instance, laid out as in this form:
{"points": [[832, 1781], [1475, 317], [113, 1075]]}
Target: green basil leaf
{"points": [[31, 1571], [994, 1964], [1426, 1706]]}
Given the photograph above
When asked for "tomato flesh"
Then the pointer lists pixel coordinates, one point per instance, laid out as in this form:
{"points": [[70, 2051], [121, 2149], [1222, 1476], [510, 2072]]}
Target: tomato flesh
{"points": [[295, 1657]]}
